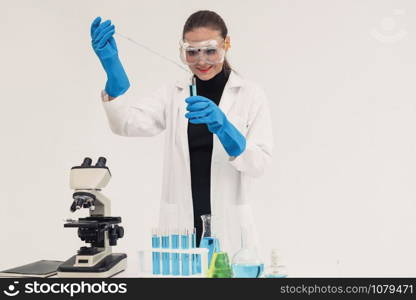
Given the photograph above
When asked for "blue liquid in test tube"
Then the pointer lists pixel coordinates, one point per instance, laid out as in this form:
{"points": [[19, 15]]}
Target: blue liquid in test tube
{"points": [[193, 244], [165, 255], [155, 255], [184, 256], [192, 87], [175, 256], [196, 258]]}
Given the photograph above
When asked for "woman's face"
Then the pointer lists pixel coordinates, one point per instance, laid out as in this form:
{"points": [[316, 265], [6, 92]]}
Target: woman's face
{"points": [[203, 70]]}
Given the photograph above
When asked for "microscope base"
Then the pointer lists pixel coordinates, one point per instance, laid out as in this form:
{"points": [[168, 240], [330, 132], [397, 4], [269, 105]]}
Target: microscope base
{"points": [[107, 267]]}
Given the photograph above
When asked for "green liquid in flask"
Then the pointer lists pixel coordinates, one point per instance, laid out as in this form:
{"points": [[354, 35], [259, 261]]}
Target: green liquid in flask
{"points": [[220, 266]]}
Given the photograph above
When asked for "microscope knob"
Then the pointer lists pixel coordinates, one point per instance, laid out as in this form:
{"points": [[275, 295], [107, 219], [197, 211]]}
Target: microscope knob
{"points": [[86, 163], [80, 234], [101, 162], [73, 207], [115, 233], [120, 232]]}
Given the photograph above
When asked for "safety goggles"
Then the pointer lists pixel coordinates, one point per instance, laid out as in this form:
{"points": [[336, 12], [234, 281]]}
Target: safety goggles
{"points": [[211, 52]]}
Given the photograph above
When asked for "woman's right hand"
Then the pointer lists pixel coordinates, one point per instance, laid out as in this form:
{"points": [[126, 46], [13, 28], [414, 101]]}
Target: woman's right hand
{"points": [[105, 47], [102, 39]]}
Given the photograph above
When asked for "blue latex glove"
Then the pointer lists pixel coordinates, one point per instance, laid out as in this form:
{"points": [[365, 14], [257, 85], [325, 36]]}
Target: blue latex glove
{"points": [[105, 47], [204, 111]]}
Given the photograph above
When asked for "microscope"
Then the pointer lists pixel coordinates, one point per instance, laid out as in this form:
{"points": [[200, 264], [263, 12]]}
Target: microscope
{"points": [[99, 229]]}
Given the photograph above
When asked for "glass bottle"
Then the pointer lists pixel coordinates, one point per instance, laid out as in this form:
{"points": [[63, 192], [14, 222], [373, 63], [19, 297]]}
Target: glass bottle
{"points": [[245, 263], [208, 240], [276, 270]]}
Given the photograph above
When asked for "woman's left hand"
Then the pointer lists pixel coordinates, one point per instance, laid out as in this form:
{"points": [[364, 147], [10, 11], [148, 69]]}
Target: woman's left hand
{"points": [[202, 110]]}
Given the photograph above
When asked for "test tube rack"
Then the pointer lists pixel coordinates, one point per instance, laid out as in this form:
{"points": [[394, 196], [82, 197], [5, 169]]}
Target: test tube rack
{"points": [[145, 262]]}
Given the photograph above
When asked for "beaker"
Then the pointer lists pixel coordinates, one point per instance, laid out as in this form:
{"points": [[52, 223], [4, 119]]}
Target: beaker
{"points": [[208, 240], [206, 226]]}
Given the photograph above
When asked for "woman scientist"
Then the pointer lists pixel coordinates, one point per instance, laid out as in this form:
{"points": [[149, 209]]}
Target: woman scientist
{"points": [[216, 142]]}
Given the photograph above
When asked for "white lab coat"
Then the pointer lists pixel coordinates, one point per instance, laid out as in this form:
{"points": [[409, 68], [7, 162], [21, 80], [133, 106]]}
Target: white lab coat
{"points": [[246, 106]]}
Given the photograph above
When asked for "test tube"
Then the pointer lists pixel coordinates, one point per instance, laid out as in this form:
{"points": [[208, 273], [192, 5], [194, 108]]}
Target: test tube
{"points": [[196, 258], [192, 87], [155, 254], [175, 256], [165, 255], [185, 256], [193, 243]]}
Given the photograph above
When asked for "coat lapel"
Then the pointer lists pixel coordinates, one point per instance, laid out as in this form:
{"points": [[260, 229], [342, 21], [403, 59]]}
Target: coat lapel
{"points": [[230, 90]]}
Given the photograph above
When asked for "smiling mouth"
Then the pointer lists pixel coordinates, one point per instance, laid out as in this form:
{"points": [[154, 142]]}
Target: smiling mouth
{"points": [[204, 70]]}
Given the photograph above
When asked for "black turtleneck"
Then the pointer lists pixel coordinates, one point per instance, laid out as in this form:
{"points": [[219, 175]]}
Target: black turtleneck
{"points": [[200, 142]]}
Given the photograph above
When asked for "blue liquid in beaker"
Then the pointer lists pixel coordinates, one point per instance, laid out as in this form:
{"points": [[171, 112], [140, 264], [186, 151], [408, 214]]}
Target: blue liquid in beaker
{"points": [[212, 244]]}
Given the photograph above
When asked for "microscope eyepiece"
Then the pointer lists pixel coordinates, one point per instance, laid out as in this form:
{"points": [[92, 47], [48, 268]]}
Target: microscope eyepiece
{"points": [[86, 163], [101, 162]]}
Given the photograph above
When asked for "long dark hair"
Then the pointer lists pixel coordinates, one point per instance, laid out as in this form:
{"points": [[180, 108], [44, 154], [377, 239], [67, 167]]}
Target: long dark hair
{"points": [[210, 19]]}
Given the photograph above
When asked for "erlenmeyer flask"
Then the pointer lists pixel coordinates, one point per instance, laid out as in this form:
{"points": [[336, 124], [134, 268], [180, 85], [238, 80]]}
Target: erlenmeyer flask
{"points": [[220, 266], [245, 263], [208, 239]]}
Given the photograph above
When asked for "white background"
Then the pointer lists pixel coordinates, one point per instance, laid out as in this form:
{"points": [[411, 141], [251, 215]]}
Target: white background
{"points": [[339, 198]]}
